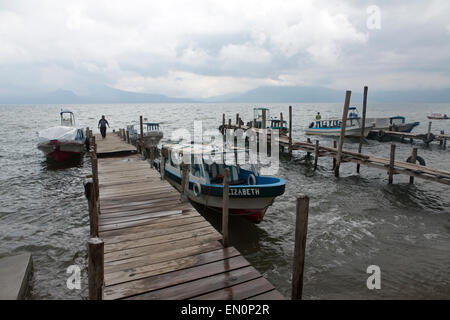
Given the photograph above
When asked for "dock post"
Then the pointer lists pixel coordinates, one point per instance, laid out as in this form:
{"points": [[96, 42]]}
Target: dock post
{"points": [[184, 167], [316, 155], [391, 163], [264, 119], [89, 192], [95, 268], [128, 136], [413, 160], [162, 166], [334, 158], [237, 119], [225, 204], [281, 123], [301, 229], [94, 164], [341, 137], [363, 125], [308, 154], [445, 141], [141, 127], [223, 123], [441, 141], [429, 132], [229, 123], [94, 144], [290, 132]]}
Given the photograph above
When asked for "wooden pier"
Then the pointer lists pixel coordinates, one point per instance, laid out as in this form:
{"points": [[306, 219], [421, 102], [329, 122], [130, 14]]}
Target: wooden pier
{"points": [[392, 166], [148, 244]]}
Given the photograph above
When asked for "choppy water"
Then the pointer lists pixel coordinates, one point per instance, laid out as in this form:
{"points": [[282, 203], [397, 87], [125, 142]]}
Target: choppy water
{"points": [[355, 221]]}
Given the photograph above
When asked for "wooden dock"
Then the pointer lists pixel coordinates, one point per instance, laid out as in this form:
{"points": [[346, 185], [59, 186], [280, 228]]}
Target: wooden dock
{"points": [[398, 167], [155, 245]]}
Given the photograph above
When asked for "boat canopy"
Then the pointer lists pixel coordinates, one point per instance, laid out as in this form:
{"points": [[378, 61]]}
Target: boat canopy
{"points": [[67, 118], [152, 126]]}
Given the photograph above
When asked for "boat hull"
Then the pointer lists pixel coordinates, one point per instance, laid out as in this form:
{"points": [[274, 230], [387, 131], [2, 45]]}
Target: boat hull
{"points": [[60, 151], [250, 202], [349, 132]]}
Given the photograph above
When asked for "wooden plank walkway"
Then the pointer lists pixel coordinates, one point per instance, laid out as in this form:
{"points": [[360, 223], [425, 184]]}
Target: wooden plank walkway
{"points": [[400, 167], [113, 145], [157, 247]]}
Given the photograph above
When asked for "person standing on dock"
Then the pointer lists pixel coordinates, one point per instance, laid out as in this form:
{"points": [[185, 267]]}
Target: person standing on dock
{"points": [[102, 125], [318, 116]]}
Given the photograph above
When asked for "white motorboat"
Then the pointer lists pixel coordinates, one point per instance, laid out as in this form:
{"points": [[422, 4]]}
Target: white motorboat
{"points": [[64, 141]]}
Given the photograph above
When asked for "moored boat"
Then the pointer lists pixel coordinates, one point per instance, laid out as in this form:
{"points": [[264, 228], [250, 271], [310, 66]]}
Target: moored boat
{"points": [[62, 142], [332, 127], [438, 116], [152, 134], [250, 194]]}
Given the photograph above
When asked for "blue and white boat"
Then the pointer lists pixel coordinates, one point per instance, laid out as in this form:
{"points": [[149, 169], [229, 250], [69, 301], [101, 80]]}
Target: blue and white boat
{"points": [[332, 127], [250, 194]]}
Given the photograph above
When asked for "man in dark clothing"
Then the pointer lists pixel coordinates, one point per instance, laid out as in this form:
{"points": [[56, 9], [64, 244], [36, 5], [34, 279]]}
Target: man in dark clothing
{"points": [[102, 125]]}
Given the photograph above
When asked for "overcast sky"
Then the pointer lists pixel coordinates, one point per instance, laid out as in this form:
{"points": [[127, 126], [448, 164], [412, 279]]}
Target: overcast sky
{"points": [[206, 48]]}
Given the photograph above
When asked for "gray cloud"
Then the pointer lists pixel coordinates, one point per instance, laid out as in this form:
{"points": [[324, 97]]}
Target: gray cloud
{"points": [[205, 48]]}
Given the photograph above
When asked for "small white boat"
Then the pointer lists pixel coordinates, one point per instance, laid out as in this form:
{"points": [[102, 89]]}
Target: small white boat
{"points": [[250, 193], [152, 134], [64, 141], [438, 116]]}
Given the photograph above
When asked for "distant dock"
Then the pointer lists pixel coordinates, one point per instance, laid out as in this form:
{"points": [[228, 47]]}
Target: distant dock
{"points": [[148, 244]]}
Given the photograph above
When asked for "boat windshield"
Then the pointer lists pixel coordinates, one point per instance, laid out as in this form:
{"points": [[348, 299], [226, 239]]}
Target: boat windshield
{"points": [[67, 118]]}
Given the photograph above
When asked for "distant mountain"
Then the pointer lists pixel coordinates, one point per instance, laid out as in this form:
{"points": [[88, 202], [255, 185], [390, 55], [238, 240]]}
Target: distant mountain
{"points": [[267, 94], [101, 94], [292, 94], [321, 94]]}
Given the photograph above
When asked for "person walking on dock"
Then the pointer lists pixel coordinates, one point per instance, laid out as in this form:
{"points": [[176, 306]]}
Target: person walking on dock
{"points": [[102, 125]]}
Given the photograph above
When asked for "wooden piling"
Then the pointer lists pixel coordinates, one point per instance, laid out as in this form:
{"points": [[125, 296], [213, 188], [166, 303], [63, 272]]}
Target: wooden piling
{"points": [[429, 131], [141, 126], [413, 160], [264, 119], [363, 127], [334, 159], [128, 136], [308, 154], [94, 165], [316, 155], [290, 132], [89, 192], [237, 119], [162, 166], [281, 123], [341, 137], [301, 229], [95, 268], [391, 164], [223, 123], [225, 205], [229, 123], [184, 177]]}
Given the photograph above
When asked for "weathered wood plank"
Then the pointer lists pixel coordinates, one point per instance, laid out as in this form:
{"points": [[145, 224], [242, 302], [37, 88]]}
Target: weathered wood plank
{"points": [[239, 291], [168, 266], [202, 286], [144, 285]]}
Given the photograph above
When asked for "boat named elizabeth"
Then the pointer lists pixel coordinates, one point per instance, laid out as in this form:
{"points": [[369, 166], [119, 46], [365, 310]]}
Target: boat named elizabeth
{"points": [[250, 194]]}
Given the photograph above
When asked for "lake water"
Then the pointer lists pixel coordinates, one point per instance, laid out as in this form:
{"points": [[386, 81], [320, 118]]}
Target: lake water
{"points": [[354, 221]]}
